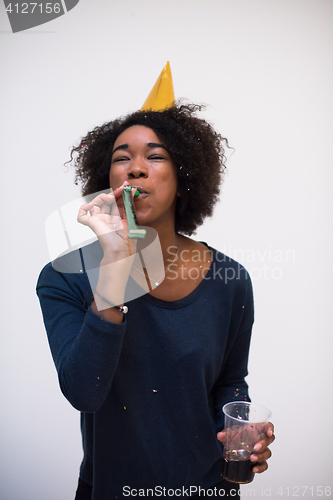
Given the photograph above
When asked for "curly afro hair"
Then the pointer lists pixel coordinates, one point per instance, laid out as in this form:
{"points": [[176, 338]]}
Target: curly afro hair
{"points": [[195, 148]]}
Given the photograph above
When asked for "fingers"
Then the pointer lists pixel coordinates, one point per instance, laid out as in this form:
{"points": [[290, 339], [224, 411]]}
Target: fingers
{"points": [[260, 467], [96, 215], [261, 457], [264, 452], [270, 430], [267, 440], [105, 213], [99, 205], [228, 433], [221, 436]]}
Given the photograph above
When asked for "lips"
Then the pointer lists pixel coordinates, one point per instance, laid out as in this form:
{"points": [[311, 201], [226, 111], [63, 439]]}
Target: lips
{"points": [[142, 191]]}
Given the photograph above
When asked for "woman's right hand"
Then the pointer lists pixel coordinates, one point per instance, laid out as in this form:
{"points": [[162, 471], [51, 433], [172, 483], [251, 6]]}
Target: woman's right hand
{"points": [[110, 226], [103, 217]]}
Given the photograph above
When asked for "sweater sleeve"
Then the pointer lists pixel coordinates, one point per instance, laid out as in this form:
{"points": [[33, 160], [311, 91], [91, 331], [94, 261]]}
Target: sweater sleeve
{"points": [[231, 385], [85, 348]]}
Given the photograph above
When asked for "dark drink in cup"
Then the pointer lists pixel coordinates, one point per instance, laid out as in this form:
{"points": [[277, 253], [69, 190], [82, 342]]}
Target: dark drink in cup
{"points": [[237, 468], [244, 426]]}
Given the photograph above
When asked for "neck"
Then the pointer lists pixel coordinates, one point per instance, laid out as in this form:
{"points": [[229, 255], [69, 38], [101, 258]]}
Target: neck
{"points": [[170, 247], [169, 241]]}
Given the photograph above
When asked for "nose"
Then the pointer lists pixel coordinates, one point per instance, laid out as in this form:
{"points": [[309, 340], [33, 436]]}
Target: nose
{"points": [[138, 169]]}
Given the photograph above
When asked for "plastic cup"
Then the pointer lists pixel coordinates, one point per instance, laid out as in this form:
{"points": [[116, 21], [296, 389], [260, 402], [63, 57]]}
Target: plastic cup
{"points": [[244, 424]]}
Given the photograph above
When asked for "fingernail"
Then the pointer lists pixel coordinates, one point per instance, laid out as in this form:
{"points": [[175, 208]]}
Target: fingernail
{"points": [[257, 447], [255, 469], [254, 458]]}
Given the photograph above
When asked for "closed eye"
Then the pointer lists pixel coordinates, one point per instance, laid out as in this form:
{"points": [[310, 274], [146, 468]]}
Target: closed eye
{"points": [[120, 158]]}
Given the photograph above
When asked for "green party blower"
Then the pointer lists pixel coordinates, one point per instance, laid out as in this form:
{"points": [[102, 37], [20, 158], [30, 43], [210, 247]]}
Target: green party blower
{"points": [[133, 230]]}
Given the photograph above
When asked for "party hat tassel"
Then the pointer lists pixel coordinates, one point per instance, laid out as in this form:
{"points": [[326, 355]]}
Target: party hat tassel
{"points": [[161, 95]]}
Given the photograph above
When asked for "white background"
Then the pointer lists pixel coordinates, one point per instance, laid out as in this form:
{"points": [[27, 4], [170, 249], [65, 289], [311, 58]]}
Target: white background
{"points": [[265, 69]]}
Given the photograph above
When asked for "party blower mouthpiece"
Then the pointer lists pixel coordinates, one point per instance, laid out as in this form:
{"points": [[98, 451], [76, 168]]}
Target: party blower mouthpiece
{"points": [[133, 230]]}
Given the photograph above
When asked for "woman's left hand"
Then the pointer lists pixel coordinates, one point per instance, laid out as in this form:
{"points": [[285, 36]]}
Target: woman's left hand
{"points": [[262, 452]]}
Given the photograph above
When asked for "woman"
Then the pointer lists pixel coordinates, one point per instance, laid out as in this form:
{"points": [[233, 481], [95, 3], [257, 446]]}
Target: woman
{"points": [[151, 383]]}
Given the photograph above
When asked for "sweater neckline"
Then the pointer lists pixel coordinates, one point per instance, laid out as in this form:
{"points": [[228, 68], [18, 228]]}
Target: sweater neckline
{"points": [[174, 304]]}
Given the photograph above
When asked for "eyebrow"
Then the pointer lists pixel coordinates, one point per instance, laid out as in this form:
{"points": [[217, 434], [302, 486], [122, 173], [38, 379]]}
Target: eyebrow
{"points": [[149, 144], [156, 145], [123, 146]]}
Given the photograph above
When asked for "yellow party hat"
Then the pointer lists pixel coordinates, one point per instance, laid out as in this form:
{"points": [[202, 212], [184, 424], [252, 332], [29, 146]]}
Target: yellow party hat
{"points": [[161, 95]]}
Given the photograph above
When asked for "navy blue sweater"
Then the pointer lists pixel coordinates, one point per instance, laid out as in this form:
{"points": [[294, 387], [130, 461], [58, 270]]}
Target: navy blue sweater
{"points": [[151, 390]]}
